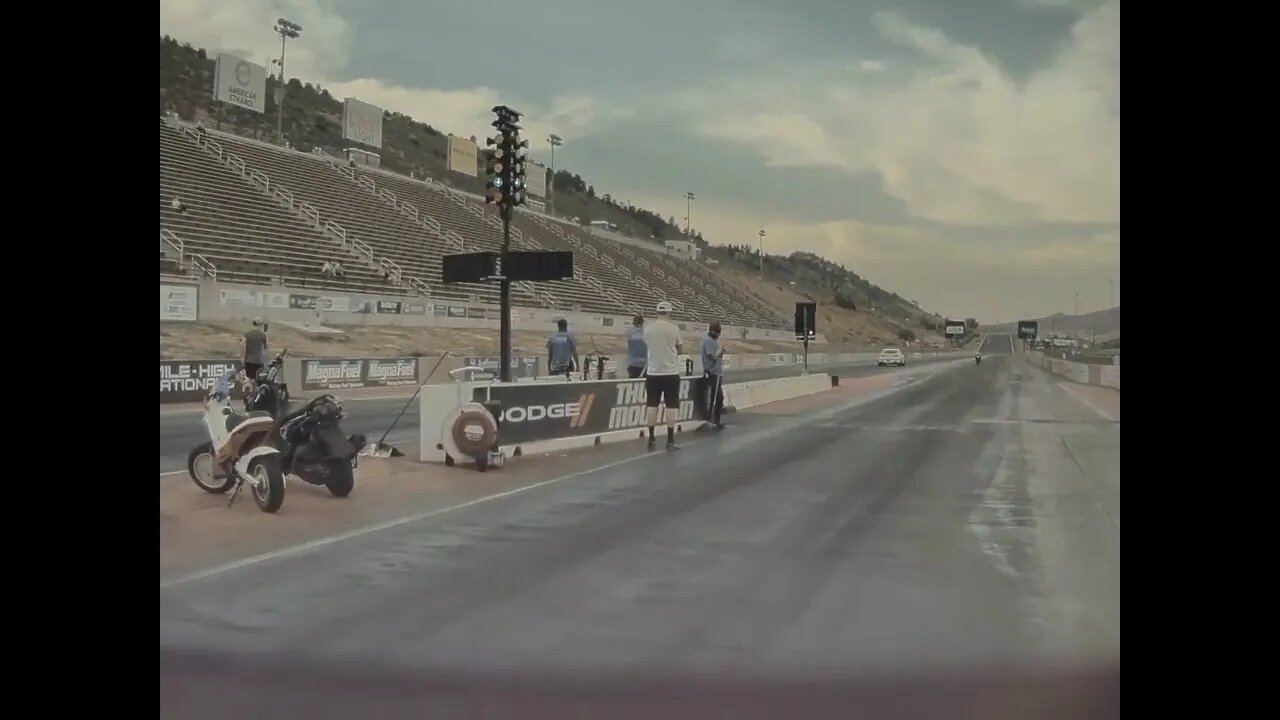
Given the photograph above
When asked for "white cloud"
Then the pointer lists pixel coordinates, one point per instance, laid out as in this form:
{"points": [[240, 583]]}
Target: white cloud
{"points": [[321, 56], [1049, 4], [869, 66], [245, 26], [954, 137], [980, 278], [959, 141]]}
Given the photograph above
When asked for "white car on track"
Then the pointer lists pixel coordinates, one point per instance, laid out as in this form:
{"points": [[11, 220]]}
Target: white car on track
{"points": [[892, 356]]}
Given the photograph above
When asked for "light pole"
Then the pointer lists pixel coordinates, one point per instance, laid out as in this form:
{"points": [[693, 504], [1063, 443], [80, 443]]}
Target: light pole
{"points": [[287, 30], [761, 234], [1075, 299], [555, 141], [688, 214]]}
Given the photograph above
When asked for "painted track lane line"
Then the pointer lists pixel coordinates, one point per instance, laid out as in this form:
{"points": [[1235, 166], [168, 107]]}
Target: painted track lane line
{"points": [[333, 539], [1087, 402]]}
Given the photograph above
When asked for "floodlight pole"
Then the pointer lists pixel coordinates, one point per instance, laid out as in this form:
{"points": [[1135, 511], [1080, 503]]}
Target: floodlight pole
{"points": [[287, 30]]}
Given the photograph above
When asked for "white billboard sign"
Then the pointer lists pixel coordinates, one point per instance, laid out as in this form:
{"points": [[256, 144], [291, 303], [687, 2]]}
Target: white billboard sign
{"points": [[536, 174], [463, 156], [179, 302], [955, 329], [362, 122], [238, 82]]}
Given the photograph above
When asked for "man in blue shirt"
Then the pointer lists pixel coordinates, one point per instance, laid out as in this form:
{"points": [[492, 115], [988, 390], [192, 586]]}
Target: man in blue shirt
{"points": [[637, 349], [713, 371], [562, 351]]}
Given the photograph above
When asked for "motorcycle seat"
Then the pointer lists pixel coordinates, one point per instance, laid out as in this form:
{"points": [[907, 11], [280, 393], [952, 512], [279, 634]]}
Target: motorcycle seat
{"points": [[234, 421]]}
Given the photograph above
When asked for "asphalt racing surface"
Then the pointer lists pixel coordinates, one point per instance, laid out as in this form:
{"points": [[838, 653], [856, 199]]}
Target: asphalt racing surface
{"points": [[180, 430], [966, 516]]}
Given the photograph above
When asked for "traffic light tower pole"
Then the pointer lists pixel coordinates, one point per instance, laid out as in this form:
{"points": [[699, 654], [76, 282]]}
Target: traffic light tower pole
{"points": [[504, 301]]}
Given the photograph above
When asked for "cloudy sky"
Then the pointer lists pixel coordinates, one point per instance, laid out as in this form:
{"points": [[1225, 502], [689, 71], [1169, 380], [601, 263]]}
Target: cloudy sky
{"points": [[963, 153]]}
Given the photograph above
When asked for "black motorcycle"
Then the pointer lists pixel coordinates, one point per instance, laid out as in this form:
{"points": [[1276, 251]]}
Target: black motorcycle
{"points": [[314, 447], [268, 392], [977, 359]]}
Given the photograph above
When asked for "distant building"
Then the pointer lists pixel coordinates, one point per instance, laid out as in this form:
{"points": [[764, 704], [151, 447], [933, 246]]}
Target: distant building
{"points": [[683, 249]]}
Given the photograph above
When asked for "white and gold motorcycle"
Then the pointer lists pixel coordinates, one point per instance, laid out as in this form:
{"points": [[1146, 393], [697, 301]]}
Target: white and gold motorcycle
{"points": [[239, 451]]}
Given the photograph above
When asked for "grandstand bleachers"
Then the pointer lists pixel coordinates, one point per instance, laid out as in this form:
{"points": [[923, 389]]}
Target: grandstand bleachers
{"points": [[263, 214], [645, 275], [481, 230], [240, 231]]}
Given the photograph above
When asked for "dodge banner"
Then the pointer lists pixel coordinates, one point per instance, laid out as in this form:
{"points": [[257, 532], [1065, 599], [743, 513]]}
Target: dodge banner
{"points": [[547, 411]]}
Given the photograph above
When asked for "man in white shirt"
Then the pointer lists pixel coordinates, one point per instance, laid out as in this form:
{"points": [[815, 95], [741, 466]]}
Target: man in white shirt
{"points": [[662, 372]]}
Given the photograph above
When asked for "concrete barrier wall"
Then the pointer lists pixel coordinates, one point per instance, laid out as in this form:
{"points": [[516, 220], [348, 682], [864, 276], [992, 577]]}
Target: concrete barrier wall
{"points": [[1083, 373], [759, 392], [294, 368], [438, 403], [226, 301]]}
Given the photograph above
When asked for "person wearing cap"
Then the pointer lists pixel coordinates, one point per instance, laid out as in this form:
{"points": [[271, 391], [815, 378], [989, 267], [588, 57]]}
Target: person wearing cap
{"points": [[637, 351], [713, 371], [562, 350], [254, 349], [662, 373]]}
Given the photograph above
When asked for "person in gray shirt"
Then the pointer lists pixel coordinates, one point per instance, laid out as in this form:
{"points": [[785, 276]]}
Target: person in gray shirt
{"points": [[254, 345], [562, 350], [713, 371], [637, 348]]}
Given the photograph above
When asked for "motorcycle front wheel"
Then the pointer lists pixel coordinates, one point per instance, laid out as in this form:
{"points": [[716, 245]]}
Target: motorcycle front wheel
{"points": [[203, 470], [268, 486]]}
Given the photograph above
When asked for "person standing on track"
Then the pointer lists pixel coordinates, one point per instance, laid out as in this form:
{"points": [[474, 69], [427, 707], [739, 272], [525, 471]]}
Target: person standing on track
{"points": [[562, 350], [713, 371], [253, 348], [662, 373], [637, 350]]}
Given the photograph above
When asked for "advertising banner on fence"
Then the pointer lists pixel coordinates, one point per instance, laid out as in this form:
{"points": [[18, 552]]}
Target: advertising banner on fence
{"points": [[334, 303], [238, 82], [303, 302], [191, 380], [179, 302], [275, 299], [390, 372], [362, 122], [521, 367], [547, 411], [462, 156], [356, 373], [332, 374], [235, 297]]}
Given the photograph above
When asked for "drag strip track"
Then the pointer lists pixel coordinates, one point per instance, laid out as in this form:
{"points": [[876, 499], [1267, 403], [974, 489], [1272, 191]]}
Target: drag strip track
{"points": [[195, 687], [180, 431], [941, 524]]}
